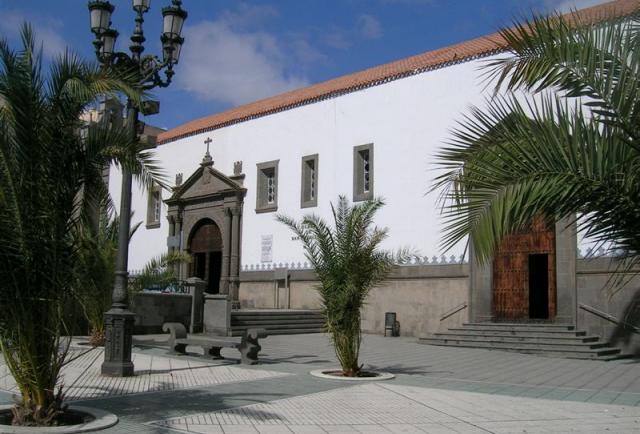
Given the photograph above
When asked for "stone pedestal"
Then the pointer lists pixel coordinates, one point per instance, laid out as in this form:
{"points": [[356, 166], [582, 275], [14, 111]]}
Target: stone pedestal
{"points": [[217, 314], [117, 350], [196, 290]]}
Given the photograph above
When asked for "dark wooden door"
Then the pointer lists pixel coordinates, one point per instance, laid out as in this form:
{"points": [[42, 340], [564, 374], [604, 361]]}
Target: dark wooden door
{"points": [[511, 278], [205, 245]]}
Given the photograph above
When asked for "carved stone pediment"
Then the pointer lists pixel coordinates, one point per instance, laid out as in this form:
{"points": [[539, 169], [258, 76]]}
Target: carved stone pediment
{"points": [[206, 182]]}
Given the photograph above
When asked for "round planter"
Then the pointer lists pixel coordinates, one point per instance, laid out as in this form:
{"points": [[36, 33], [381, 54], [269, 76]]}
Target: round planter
{"points": [[99, 420], [372, 375]]}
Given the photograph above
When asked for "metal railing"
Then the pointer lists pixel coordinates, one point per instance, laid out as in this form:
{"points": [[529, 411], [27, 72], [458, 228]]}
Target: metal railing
{"points": [[454, 311], [606, 316]]}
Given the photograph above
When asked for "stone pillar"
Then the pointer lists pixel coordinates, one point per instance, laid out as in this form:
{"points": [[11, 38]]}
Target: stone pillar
{"points": [[196, 289], [235, 254], [480, 289], [226, 252], [566, 257], [183, 268], [217, 314]]}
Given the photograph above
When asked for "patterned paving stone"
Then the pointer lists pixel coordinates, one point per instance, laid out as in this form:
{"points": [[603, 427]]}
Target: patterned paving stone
{"points": [[82, 380], [378, 408]]}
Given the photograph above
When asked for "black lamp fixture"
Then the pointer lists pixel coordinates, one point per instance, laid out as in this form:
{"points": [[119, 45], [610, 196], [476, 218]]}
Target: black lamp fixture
{"points": [[172, 19], [100, 13], [173, 16], [119, 320]]}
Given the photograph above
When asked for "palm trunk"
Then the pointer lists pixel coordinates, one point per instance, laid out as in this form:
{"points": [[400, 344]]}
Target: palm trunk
{"points": [[346, 336]]}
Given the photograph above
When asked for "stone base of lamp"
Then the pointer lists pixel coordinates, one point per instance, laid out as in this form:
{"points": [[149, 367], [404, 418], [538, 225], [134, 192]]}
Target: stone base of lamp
{"points": [[117, 348]]}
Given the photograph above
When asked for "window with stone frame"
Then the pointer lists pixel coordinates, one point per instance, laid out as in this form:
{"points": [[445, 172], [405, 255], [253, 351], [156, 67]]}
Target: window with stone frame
{"points": [[309, 187], [363, 172], [267, 186], [154, 207]]}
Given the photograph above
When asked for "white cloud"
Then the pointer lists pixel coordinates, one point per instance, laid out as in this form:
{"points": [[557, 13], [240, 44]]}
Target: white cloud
{"points": [[337, 37], [369, 27], [223, 62], [569, 5], [47, 31], [365, 27]]}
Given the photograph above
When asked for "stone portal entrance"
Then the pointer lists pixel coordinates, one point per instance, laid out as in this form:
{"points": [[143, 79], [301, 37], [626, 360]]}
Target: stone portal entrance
{"points": [[524, 274], [205, 246], [205, 220]]}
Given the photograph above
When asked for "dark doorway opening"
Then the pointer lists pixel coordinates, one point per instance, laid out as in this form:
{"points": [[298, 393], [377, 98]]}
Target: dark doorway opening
{"points": [[205, 244], [539, 286], [215, 267], [199, 265]]}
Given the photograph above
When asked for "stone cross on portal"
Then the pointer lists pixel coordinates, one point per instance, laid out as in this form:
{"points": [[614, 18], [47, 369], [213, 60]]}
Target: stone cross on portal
{"points": [[207, 160]]}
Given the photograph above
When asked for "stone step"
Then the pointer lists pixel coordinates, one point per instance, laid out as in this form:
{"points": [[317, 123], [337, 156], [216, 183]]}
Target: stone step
{"points": [[497, 337], [542, 345], [583, 352], [276, 318], [279, 326], [281, 331], [520, 326], [266, 321], [281, 312], [278, 321], [480, 331]]}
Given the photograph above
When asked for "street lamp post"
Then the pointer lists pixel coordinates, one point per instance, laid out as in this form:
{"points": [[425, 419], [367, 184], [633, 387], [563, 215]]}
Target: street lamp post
{"points": [[119, 320]]}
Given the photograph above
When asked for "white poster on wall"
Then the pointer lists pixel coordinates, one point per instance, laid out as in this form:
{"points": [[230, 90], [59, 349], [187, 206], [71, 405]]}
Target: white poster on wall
{"points": [[267, 248]]}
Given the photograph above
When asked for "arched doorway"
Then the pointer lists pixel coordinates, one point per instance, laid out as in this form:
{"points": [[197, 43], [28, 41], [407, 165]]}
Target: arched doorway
{"points": [[205, 246]]}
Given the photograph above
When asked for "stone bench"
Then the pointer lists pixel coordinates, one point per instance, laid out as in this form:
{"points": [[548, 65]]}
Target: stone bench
{"points": [[248, 344]]}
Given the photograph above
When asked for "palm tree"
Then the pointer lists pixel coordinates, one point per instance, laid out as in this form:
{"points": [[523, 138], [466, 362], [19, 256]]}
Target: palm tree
{"points": [[160, 271], [50, 180], [571, 148], [348, 263], [95, 272]]}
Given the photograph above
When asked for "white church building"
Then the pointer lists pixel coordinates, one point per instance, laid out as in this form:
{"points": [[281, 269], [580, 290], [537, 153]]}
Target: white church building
{"points": [[373, 133]]}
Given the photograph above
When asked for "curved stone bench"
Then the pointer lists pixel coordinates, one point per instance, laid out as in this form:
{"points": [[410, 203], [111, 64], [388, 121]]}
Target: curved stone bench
{"points": [[248, 344]]}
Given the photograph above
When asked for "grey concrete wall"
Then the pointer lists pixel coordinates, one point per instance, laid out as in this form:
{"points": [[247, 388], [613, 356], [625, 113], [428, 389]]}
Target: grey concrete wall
{"points": [[257, 294], [419, 294], [154, 309], [596, 290], [419, 305]]}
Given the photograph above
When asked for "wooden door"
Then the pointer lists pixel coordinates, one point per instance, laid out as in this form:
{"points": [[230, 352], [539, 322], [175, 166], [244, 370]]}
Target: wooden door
{"points": [[511, 270]]}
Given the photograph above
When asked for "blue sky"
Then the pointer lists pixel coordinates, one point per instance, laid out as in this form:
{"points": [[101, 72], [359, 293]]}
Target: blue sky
{"points": [[240, 51]]}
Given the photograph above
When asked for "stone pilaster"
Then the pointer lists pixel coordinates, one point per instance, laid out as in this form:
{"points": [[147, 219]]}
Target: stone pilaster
{"points": [[235, 253], [226, 252]]}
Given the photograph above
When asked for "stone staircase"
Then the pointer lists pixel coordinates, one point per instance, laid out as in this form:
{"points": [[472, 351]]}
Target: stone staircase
{"points": [[277, 321], [555, 340]]}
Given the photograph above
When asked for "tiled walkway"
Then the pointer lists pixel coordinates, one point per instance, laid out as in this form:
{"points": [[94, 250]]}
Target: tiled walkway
{"points": [[154, 373], [388, 408], [436, 389]]}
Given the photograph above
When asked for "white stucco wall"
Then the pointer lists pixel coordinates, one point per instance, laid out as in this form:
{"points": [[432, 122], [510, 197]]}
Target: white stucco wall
{"points": [[407, 120]]}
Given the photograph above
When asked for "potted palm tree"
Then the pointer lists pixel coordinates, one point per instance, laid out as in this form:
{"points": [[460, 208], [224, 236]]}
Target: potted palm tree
{"points": [[50, 179], [349, 263]]}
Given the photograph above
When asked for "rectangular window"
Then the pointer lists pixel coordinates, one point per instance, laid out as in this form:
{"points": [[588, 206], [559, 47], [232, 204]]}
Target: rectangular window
{"points": [[363, 172], [154, 207], [267, 187], [309, 188]]}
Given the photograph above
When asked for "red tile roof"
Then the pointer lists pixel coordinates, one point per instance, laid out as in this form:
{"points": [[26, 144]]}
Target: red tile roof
{"points": [[430, 60]]}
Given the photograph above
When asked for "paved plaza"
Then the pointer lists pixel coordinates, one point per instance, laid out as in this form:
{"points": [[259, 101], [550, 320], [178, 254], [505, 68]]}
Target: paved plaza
{"points": [[436, 390]]}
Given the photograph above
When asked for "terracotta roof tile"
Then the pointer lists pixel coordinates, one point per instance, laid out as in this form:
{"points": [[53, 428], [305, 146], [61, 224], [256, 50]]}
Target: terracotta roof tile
{"points": [[438, 58]]}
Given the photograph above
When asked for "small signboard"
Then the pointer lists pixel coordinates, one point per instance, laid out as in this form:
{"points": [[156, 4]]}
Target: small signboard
{"points": [[267, 248]]}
